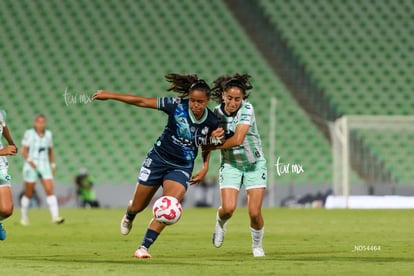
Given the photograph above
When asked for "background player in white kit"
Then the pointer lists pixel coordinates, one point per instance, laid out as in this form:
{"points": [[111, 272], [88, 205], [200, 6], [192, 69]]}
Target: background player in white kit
{"points": [[242, 159], [37, 150], [6, 197]]}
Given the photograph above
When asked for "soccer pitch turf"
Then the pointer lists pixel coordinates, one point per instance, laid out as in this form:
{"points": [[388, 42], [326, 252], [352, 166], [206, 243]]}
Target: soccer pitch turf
{"points": [[297, 242]]}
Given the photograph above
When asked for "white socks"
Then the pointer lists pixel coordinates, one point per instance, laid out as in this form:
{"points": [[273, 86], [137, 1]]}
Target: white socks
{"points": [[24, 202], [51, 202], [53, 205], [257, 237]]}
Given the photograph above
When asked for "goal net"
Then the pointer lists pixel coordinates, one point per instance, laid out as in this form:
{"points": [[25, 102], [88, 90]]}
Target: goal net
{"points": [[379, 148]]}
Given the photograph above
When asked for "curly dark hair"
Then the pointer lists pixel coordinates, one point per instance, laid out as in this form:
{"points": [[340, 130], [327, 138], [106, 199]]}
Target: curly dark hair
{"points": [[184, 84], [223, 83]]}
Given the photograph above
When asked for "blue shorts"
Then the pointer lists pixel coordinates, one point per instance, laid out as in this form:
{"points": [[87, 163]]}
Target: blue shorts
{"points": [[155, 170]]}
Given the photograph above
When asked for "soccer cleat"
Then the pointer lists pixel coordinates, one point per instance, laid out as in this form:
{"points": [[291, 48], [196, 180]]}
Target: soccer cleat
{"points": [[58, 220], [3, 232], [126, 225], [24, 222], [258, 252], [142, 253], [218, 235]]}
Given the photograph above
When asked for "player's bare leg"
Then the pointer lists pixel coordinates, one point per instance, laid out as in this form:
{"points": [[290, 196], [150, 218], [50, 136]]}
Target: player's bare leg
{"points": [[52, 201], [25, 201], [142, 197], [6, 207], [6, 202], [224, 213], [255, 201], [170, 188]]}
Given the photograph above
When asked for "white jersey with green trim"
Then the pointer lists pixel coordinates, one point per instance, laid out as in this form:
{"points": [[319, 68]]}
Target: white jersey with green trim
{"points": [[251, 149], [3, 159], [38, 146]]}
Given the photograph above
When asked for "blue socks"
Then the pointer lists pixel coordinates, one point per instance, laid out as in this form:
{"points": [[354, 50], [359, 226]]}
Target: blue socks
{"points": [[2, 232], [149, 238]]}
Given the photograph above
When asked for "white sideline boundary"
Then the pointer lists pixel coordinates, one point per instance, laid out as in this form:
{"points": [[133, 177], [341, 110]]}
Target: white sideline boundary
{"points": [[370, 202]]}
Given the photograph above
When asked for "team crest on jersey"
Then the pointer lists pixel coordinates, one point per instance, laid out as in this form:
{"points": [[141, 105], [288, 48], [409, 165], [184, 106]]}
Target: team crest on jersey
{"points": [[176, 100], [204, 131]]}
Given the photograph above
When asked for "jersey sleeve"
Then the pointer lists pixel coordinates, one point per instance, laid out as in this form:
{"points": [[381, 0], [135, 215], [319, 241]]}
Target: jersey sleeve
{"points": [[2, 118], [50, 139], [213, 121], [167, 104], [27, 138], [246, 115], [216, 121]]}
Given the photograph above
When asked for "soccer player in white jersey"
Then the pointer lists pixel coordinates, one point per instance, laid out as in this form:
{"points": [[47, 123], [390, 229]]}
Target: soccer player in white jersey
{"points": [[242, 159], [37, 150], [6, 197]]}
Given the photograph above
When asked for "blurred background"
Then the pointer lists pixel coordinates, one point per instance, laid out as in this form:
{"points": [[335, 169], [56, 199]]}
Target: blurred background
{"points": [[319, 60]]}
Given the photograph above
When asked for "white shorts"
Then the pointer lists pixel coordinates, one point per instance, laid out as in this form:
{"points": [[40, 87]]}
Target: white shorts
{"points": [[31, 175], [5, 178], [252, 177]]}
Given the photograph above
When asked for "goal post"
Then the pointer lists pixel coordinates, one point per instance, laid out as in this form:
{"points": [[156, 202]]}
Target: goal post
{"points": [[272, 153], [340, 132]]}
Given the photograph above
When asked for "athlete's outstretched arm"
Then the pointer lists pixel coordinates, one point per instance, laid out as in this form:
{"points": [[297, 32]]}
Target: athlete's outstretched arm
{"points": [[199, 176], [237, 139], [126, 98]]}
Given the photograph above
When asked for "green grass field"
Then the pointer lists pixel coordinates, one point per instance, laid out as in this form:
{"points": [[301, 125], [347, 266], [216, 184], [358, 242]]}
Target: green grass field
{"points": [[297, 242]]}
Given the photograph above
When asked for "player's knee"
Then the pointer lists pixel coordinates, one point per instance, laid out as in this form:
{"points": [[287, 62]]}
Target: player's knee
{"points": [[228, 210], [6, 212], [255, 215]]}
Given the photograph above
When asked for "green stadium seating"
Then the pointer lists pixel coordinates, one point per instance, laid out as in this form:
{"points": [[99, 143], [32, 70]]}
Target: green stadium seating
{"points": [[360, 55], [128, 46]]}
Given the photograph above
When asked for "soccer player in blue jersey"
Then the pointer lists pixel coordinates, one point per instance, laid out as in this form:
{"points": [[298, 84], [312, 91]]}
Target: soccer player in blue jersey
{"points": [[242, 159], [169, 163], [6, 197]]}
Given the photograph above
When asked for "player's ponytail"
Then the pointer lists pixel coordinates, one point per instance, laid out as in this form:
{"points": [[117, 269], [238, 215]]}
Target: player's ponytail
{"points": [[223, 83], [184, 84]]}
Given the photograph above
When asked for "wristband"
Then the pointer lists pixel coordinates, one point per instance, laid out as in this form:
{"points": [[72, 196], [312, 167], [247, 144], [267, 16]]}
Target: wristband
{"points": [[53, 165], [29, 160]]}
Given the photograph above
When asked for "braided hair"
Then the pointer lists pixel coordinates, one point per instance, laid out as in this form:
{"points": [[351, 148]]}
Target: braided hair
{"points": [[184, 84], [223, 83]]}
